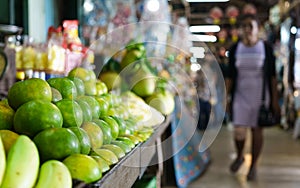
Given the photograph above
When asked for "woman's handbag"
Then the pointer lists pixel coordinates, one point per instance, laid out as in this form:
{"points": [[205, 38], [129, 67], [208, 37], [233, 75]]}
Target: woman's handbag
{"points": [[266, 116]]}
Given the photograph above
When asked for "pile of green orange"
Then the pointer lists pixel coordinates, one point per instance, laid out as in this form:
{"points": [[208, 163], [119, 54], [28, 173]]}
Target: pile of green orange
{"points": [[72, 119]]}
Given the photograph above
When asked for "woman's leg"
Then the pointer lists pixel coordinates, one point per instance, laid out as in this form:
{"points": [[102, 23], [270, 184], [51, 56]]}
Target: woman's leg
{"points": [[239, 140], [257, 144]]}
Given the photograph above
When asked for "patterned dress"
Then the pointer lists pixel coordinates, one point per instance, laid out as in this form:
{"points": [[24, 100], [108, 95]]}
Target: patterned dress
{"points": [[248, 94]]}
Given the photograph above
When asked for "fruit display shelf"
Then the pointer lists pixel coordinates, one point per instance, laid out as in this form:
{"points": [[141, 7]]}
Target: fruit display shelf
{"points": [[132, 166]]}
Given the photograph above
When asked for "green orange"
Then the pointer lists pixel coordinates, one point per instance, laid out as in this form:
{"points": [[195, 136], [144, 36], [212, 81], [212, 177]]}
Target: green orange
{"points": [[111, 79], [30, 89], [86, 110], [104, 106], [83, 168], [6, 117], [101, 88], [113, 126], [79, 85], [122, 125], [8, 139], [35, 116], [65, 86], [94, 132], [81, 73], [56, 143], [90, 88], [71, 112], [107, 137], [103, 165], [56, 96], [93, 103], [84, 140]]}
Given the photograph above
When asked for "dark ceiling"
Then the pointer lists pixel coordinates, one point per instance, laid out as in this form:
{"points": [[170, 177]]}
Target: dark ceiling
{"points": [[197, 13]]}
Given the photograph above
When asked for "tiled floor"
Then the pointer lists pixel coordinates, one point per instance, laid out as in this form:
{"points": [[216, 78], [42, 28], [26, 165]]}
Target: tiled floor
{"points": [[279, 164]]}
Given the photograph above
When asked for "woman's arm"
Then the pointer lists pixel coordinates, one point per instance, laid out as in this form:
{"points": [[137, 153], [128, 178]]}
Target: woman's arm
{"points": [[228, 86], [275, 98]]}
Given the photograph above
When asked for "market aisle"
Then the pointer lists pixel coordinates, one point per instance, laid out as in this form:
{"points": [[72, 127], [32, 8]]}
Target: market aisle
{"points": [[279, 165]]}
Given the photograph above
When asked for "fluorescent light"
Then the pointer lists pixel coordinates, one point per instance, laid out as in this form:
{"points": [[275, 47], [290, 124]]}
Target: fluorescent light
{"points": [[195, 67], [204, 28], [203, 38], [198, 52], [205, 1], [88, 6], [153, 5], [297, 43], [293, 29]]}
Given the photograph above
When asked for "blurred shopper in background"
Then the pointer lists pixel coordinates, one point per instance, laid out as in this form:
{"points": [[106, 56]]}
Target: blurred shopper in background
{"points": [[244, 84], [204, 96]]}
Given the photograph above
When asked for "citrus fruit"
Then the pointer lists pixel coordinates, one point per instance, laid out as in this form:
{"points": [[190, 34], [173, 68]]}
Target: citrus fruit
{"points": [[111, 79], [6, 117], [110, 98], [105, 130], [4, 102], [81, 73], [92, 75], [126, 148], [93, 103], [101, 162], [113, 126], [130, 57], [65, 86], [144, 87], [94, 132], [86, 110], [71, 112], [56, 143], [35, 116], [126, 141], [162, 102], [83, 138], [107, 155], [79, 85], [8, 139], [119, 152], [90, 88], [56, 96], [83, 167], [130, 125], [101, 88], [122, 125], [30, 89], [134, 139], [104, 106], [143, 83]]}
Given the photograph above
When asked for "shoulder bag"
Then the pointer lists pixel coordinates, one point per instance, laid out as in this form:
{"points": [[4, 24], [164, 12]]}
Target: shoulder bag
{"points": [[266, 116]]}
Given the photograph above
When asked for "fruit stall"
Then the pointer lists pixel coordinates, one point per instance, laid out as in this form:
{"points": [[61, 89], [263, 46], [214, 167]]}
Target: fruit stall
{"points": [[87, 130]]}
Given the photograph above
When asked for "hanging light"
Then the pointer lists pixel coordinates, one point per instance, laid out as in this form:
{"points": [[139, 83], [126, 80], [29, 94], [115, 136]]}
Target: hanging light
{"points": [[88, 6], [205, 1], [203, 38], [204, 28], [152, 5]]}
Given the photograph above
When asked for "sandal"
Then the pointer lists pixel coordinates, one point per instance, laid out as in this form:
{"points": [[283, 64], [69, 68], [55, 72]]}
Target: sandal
{"points": [[251, 174], [234, 167]]}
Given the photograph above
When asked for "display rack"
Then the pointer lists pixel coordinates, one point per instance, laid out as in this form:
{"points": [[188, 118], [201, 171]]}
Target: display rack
{"points": [[133, 165]]}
